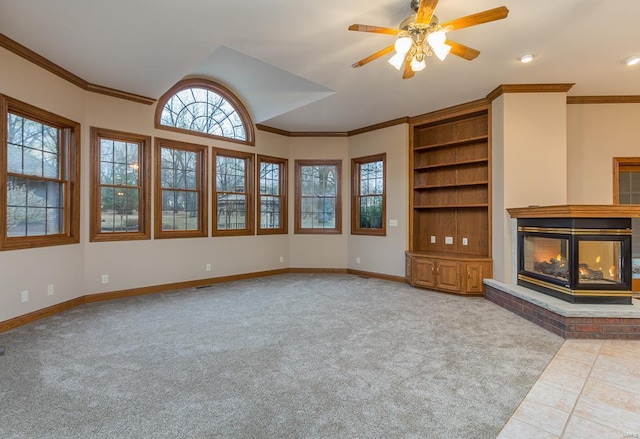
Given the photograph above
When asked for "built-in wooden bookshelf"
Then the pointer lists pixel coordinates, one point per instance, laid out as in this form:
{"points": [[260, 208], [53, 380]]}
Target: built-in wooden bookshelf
{"points": [[450, 246]]}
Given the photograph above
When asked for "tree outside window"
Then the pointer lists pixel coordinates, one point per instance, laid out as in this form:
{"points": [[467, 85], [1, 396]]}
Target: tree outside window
{"points": [[318, 196], [368, 198], [233, 193], [40, 171], [120, 193], [272, 196], [181, 182]]}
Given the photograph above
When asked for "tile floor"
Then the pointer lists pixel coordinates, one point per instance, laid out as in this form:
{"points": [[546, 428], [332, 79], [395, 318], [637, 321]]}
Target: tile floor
{"points": [[591, 389]]}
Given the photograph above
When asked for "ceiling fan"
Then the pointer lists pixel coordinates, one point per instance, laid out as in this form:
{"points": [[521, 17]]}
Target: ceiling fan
{"points": [[421, 35]]}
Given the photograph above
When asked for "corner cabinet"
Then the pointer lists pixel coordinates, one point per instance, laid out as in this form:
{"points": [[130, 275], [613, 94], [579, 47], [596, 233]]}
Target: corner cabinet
{"points": [[450, 206]]}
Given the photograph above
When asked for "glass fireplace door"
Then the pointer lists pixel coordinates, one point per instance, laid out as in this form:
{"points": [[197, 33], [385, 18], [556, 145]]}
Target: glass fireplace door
{"points": [[600, 262]]}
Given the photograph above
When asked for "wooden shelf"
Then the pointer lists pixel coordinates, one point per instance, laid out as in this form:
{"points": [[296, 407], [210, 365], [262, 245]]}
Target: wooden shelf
{"points": [[447, 165], [459, 142], [450, 198], [449, 186]]}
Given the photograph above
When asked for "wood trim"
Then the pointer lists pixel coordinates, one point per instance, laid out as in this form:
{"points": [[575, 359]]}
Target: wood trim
{"points": [[382, 276], [25, 319], [355, 195], [40, 61], [380, 126], [249, 187], [286, 133], [69, 175], [297, 223], [31, 317], [111, 295], [284, 195], [628, 99], [217, 88], [203, 207], [450, 112], [144, 161], [528, 88], [577, 211], [119, 94], [318, 270]]}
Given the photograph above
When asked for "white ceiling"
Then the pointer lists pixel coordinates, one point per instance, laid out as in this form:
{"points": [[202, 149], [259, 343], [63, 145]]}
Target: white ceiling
{"points": [[290, 62]]}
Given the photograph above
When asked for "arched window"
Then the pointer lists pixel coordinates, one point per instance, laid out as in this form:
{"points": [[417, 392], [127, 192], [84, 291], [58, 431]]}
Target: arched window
{"points": [[202, 107]]}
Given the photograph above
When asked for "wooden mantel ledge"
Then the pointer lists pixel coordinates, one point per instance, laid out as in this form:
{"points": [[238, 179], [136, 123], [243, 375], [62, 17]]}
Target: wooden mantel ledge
{"points": [[577, 211]]}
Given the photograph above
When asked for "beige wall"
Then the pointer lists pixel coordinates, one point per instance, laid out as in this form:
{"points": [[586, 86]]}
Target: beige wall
{"points": [[76, 270], [596, 134], [384, 254], [529, 159]]}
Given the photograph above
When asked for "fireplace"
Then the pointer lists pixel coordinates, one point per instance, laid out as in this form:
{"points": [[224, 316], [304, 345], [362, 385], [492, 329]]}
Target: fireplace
{"points": [[580, 260]]}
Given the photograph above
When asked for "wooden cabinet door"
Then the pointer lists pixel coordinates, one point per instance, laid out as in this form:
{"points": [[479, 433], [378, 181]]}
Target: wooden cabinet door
{"points": [[448, 276], [474, 277], [424, 271]]}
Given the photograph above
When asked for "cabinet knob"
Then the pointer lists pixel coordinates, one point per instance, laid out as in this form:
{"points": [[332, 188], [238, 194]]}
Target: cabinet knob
{"points": [[438, 270], [468, 274]]}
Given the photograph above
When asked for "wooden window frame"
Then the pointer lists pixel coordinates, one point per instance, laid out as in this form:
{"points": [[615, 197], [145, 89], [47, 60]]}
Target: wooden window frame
{"points": [[144, 166], [356, 164], [249, 187], [69, 175], [215, 88], [618, 163], [283, 229], [201, 174], [298, 229]]}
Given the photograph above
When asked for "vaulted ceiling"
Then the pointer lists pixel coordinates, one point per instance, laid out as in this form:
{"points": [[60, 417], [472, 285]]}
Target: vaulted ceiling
{"points": [[290, 62]]}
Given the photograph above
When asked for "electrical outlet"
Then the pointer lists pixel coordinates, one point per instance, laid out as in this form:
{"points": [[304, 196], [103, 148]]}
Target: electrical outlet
{"points": [[357, 260], [208, 267], [24, 296], [433, 239], [465, 241], [281, 259], [50, 290], [105, 278], [448, 239], [393, 223]]}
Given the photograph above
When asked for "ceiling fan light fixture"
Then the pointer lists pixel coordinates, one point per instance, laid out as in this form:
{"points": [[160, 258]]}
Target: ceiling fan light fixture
{"points": [[397, 60], [403, 45], [633, 61], [526, 57], [418, 65], [441, 51], [436, 39]]}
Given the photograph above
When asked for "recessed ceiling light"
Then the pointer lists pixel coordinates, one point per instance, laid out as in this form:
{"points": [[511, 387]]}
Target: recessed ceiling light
{"points": [[633, 61], [526, 57]]}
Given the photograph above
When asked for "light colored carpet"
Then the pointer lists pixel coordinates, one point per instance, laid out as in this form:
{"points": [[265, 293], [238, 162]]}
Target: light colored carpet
{"points": [[291, 356]]}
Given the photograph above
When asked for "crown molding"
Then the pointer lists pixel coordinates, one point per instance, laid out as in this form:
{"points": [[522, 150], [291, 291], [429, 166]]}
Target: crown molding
{"points": [[528, 88], [40, 61], [629, 99], [379, 126], [299, 133], [445, 113]]}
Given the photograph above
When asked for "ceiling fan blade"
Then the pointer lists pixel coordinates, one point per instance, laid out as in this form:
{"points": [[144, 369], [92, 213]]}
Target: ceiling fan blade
{"points": [[475, 19], [408, 72], [425, 11], [373, 57], [462, 51], [374, 29]]}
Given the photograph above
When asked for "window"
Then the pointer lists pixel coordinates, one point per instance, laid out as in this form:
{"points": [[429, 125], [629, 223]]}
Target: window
{"points": [[626, 190], [202, 107], [41, 172], [272, 195], [180, 190], [120, 192], [318, 206], [368, 199], [233, 193]]}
